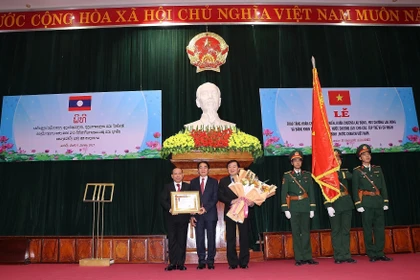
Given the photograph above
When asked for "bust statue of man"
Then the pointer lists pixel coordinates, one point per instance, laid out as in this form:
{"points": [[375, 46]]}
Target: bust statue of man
{"points": [[208, 99]]}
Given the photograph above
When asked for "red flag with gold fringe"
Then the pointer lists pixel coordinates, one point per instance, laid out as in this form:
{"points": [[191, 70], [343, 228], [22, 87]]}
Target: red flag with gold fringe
{"points": [[324, 163]]}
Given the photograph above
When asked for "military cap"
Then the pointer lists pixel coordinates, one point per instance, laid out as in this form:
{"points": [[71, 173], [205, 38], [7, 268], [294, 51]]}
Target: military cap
{"points": [[337, 152], [362, 149], [295, 154]]}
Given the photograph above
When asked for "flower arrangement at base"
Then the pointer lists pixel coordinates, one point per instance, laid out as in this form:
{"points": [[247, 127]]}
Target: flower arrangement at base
{"points": [[249, 189], [212, 140]]}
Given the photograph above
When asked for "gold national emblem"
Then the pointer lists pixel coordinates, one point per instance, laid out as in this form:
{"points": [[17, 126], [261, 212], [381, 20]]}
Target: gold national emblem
{"points": [[207, 51]]}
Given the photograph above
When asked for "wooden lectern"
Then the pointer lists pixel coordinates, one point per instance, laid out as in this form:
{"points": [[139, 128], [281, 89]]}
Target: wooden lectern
{"points": [[98, 194]]}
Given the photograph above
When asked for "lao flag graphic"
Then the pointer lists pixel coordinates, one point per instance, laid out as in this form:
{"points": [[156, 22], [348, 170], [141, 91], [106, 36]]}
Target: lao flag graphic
{"points": [[339, 97], [80, 103]]}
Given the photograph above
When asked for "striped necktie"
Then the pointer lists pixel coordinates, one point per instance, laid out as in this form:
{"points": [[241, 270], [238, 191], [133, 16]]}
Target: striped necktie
{"points": [[202, 185]]}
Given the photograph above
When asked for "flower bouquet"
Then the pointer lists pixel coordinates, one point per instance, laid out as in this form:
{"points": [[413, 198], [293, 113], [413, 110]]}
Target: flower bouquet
{"points": [[248, 187]]}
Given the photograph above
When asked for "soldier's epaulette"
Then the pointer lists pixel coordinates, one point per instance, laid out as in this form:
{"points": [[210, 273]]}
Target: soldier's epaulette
{"points": [[304, 171], [287, 172], [357, 167], [375, 166], [344, 169]]}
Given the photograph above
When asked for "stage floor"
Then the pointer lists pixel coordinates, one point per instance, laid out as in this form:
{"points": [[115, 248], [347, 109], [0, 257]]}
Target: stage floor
{"points": [[404, 266]]}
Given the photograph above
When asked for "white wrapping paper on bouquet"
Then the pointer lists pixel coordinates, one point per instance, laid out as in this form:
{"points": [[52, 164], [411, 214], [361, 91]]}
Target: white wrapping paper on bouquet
{"points": [[248, 188]]}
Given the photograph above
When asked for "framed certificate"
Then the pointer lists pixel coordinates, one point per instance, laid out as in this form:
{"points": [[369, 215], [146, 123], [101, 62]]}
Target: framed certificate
{"points": [[185, 202]]}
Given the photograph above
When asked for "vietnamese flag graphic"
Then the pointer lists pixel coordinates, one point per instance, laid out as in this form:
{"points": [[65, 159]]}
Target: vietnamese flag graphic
{"points": [[324, 163], [339, 97], [80, 103]]}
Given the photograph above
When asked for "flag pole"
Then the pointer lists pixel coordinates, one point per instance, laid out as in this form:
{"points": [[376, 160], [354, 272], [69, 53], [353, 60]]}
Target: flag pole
{"points": [[324, 163]]}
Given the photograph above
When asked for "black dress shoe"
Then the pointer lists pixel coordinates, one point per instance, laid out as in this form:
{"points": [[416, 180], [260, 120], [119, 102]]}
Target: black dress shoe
{"points": [[384, 258], [338, 261], [244, 266], [201, 266], [312, 262], [233, 266], [182, 267], [210, 266], [373, 259], [170, 267], [351, 260], [299, 263]]}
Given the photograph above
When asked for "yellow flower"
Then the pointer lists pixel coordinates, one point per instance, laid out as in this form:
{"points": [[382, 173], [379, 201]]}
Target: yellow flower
{"points": [[244, 142], [183, 142], [179, 143]]}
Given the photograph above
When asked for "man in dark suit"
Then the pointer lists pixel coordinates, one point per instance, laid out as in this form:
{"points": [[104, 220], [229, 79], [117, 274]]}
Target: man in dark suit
{"points": [[206, 219], [177, 225], [228, 197]]}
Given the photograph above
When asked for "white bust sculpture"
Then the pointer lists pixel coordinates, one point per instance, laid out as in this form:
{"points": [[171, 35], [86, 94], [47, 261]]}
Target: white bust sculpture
{"points": [[208, 99]]}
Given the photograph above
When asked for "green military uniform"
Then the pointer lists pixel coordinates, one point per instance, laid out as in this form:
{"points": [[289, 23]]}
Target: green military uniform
{"points": [[369, 192], [299, 209], [341, 222]]}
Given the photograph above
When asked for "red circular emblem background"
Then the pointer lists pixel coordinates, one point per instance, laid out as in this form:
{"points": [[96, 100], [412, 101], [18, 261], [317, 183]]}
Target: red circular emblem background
{"points": [[207, 51]]}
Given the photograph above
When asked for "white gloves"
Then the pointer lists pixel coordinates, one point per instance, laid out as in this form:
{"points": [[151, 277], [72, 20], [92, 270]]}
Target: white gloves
{"points": [[331, 211], [288, 215], [361, 209]]}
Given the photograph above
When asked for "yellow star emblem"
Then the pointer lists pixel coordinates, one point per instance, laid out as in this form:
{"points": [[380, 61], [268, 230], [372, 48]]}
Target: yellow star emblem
{"points": [[339, 97]]}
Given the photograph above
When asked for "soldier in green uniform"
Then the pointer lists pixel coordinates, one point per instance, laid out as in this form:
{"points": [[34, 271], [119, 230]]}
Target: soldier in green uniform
{"points": [[340, 212], [298, 204], [371, 199]]}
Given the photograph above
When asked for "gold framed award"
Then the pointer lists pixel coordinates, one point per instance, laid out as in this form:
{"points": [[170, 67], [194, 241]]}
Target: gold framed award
{"points": [[185, 202]]}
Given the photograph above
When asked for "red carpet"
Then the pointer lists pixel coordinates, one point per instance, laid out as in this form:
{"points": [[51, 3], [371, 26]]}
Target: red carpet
{"points": [[404, 266]]}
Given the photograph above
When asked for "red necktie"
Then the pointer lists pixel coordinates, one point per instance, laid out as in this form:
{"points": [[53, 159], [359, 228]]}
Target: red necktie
{"points": [[178, 187], [202, 185]]}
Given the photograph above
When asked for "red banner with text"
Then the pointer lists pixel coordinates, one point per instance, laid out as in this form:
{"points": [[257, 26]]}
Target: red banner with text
{"points": [[232, 14]]}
